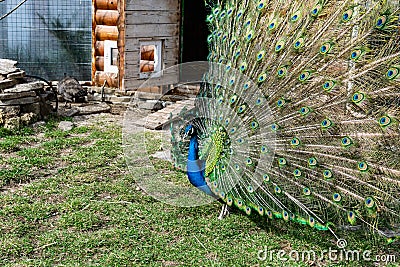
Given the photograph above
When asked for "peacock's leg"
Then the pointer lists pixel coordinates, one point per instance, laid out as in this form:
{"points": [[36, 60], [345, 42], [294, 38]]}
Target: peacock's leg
{"points": [[224, 212]]}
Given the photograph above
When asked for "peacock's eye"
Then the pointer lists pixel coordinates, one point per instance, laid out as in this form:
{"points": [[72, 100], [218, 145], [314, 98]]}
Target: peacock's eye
{"points": [[297, 173], [262, 77], [385, 121], [358, 97], [285, 215], [312, 162], [243, 66], [228, 67], [250, 189], [216, 11], [279, 46], [393, 73], [362, 166], [210, 18], [237, 54], [233, 130], [272, 26], [249, 161], [369, 202], [260, 55], [347, 15], [305, 110], [295, 17], [261, 5], [281, 103], [242, 109], [230, 11], [222, 15], [327, 174], [337, 197], [249, 35], [305, 75], [233, 42], [237, 167], [311, 222], [346, 141], [278, 190], [282, 72], [259, 101], [227, 121], [351, 216], [209, 38], [329, 85], [266, 178], [232, 81], [316, 10], [282, 161], [325, 48], [224, 37], [239, 14], [299, 43], [246, 86], [274, 127], [327, 123], [356, 54], [295, 142], [381, 22], [264, 149], [247, 23], [254, 125], [306, 191]]}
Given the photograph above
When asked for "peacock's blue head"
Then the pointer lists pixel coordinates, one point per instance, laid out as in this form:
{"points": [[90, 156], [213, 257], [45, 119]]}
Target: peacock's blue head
{"points": [[189, 131]]}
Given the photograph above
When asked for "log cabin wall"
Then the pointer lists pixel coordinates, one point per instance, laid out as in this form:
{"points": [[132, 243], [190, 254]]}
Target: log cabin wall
{"points": [[148, 21], [108, 25]]}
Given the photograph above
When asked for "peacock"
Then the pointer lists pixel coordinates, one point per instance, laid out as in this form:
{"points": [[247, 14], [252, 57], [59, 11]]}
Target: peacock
{"points": [[297, 118]]}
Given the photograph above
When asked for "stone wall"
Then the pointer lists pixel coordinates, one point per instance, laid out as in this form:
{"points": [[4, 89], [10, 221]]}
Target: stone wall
{"points": [[21, 102]]}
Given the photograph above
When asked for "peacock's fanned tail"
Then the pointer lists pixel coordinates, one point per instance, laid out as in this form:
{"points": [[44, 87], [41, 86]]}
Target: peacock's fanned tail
{"points": [[303, 121]]}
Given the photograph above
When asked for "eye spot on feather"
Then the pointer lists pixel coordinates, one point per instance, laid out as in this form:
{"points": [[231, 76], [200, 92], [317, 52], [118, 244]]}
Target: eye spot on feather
{"points": [[369, 202], [351, 217], [346, 141], [297, 173], [362, 166], [305, 111], [277, 190], [266, 178], [312, 162], [385, 121], [282, 162], [311, 222], [337, 197], [295, 142], [274, 127], [393, 73], [327, 123], [307, 191], [327, 174], [381, 22], [358, 97]]}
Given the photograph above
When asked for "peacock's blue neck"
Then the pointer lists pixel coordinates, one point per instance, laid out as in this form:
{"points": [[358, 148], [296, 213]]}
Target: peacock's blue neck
{"points": [[193, 148], [195, 167]]}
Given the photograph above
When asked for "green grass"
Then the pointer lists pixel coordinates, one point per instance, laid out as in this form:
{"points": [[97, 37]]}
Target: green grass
{"points": [[69, 200]]}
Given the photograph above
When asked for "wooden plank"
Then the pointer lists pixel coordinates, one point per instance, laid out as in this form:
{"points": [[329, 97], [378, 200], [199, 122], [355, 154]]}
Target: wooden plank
{"points": [[94, 40], [133, 44], [99, 48], [152, 17], [121, 43], [152, 30], [100, 63], [153, 5]]}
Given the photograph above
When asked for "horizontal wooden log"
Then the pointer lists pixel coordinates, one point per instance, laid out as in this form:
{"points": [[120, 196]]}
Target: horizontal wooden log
{"points": [[152, 30], [133, 44], [101, 76], [106, 33], [147, 52], [152, 17], [107, 4], [100, 63], [107, 17], [99, 48], [172, 5], [146, 66]]}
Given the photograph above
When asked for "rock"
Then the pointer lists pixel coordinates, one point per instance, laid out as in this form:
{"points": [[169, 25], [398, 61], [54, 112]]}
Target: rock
{"points": [[12, 123], [31, 108], [93, 108], [8, 96], [65, 126], [38, 124], [10, 111], [7, 83], [16, 75], [7, 66], [25, 87], [63, 112], [20, 101], [28, 118]]}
